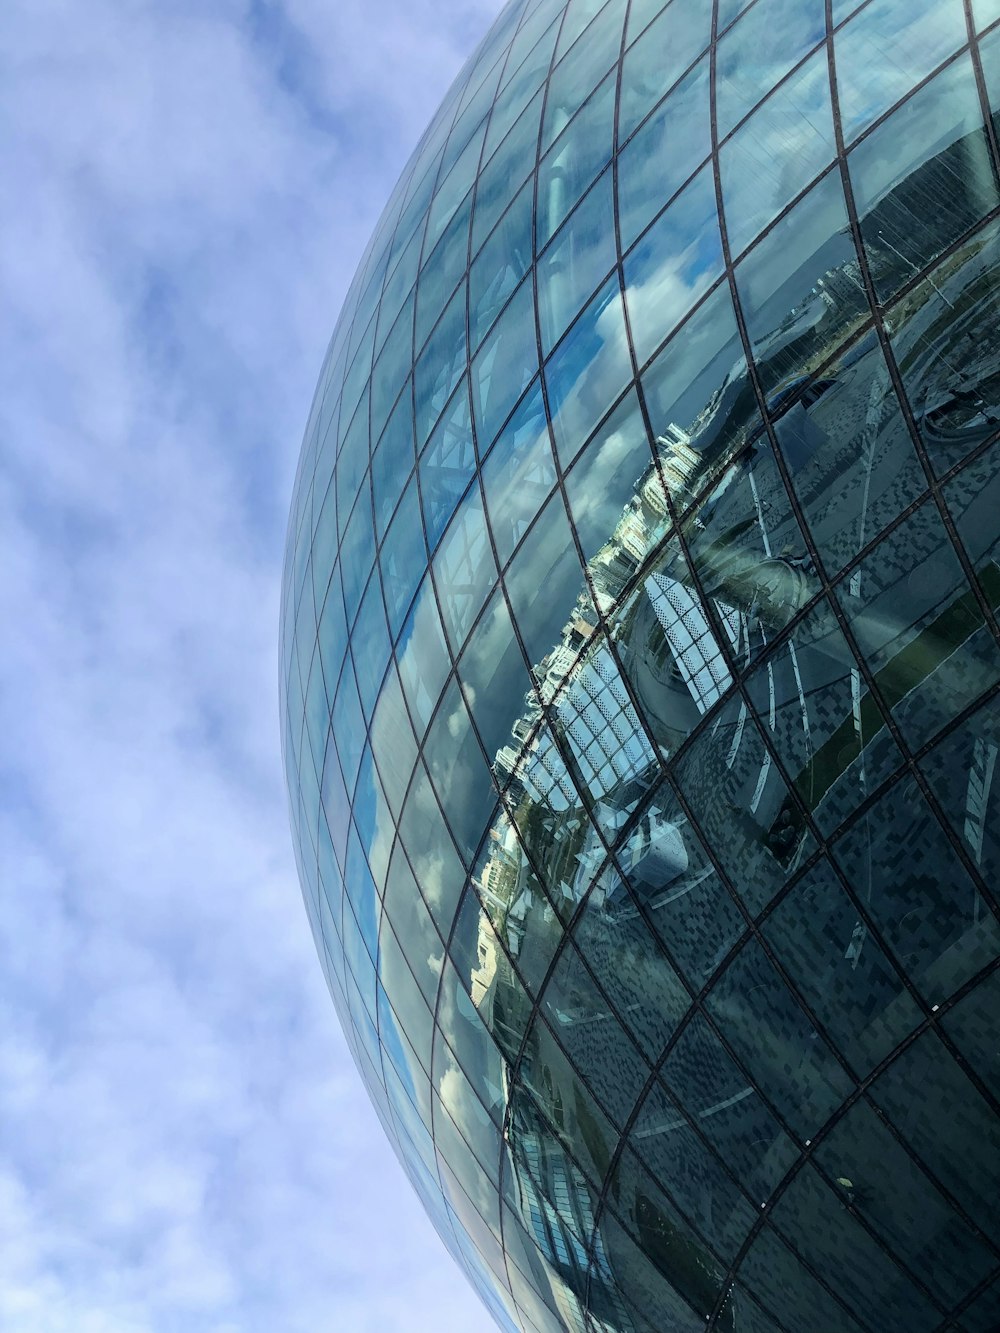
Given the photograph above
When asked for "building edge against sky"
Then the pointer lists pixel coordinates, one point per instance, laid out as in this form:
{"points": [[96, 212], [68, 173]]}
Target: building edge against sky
{"points": [[640, 661]]}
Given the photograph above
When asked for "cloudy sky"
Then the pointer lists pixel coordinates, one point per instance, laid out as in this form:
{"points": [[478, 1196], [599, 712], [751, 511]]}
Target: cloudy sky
{"points": [[184, 1143]]}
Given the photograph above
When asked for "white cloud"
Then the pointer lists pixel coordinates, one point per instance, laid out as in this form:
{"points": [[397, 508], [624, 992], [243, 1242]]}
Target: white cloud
{"points": [[184, 1145]]}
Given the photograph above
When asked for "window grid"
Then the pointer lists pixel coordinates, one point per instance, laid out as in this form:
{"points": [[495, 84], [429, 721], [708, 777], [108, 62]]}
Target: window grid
{"points": [[682, 510]]}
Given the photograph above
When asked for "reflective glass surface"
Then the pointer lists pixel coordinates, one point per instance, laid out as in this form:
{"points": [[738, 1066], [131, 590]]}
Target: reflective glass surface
{"points": [[640, 667]]}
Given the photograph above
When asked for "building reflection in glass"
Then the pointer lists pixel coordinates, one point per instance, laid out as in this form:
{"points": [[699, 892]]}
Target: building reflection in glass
{"points": [[648, 839]]}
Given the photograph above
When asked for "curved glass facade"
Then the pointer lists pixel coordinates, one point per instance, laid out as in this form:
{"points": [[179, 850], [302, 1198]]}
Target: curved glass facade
{"points": [[640, 666]]}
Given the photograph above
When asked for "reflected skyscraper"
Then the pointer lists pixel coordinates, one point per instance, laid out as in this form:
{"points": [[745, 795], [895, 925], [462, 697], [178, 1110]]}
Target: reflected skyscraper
{"points": [[640, 663]]}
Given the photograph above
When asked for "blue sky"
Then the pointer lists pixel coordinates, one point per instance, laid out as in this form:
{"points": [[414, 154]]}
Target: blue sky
{"points": [[184, 1143]]}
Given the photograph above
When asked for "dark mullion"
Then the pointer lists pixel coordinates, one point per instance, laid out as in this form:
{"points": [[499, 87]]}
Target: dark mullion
{"points": [[935, 489], [752, 374], [723, 876], [478, 482], [984, 100], [429, 575], [952, 1324], [698, 1000]]}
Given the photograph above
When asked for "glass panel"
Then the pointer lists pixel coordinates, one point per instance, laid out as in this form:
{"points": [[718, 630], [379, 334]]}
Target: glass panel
{"points": [[550, 1195], [728, 1111], [487, 65], [527, 68], [493, 673], [760, 49], [469, 1191], [406, 910], [604, 1056], [588, 370], [517, 903], [840, 971], [543, 582], [505, 172], [392, 461], [667, 1238], [577, 156], [660, 57], [947, 1122], [439, 365], [774, 1039], [357, 552], [674, 264], [322, 561], [579, 72], [777, 152], [743, 808], [771, 1270], [680, 1161], [946, 339], [729, 10], [642, 989], [431, 851], [986, 12], [659, 1278], [450, 194], [519, 474], [414, 213], [917, 892], [360, 919], [447, 465], [579, 258], [890, 1192], [410, 1010], [392, 365], [348, 725], [682, 897], [972, 498], [821, 720], [402, 558], [352, 461], [459, 772], [485, 1005], [813, 1218], [849, 452], [464, 569], [962, 773], [392, 741], [607, 750], [579, 14], [606, 476], [800, 287], [655, 163], [879, 58], [504, 365], [373, 820], [317, 711], [370, 645], [983, 1314], [920, 627], [922, 178], [336, 804], [358, 375], [640, 15], [422, 657], [971, 1025], [695, 391], [443, 269], [400, 282], [501, 264]]}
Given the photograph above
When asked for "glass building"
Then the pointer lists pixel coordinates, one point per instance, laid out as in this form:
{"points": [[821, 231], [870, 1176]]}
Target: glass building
{"points": [[640, 663]]}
